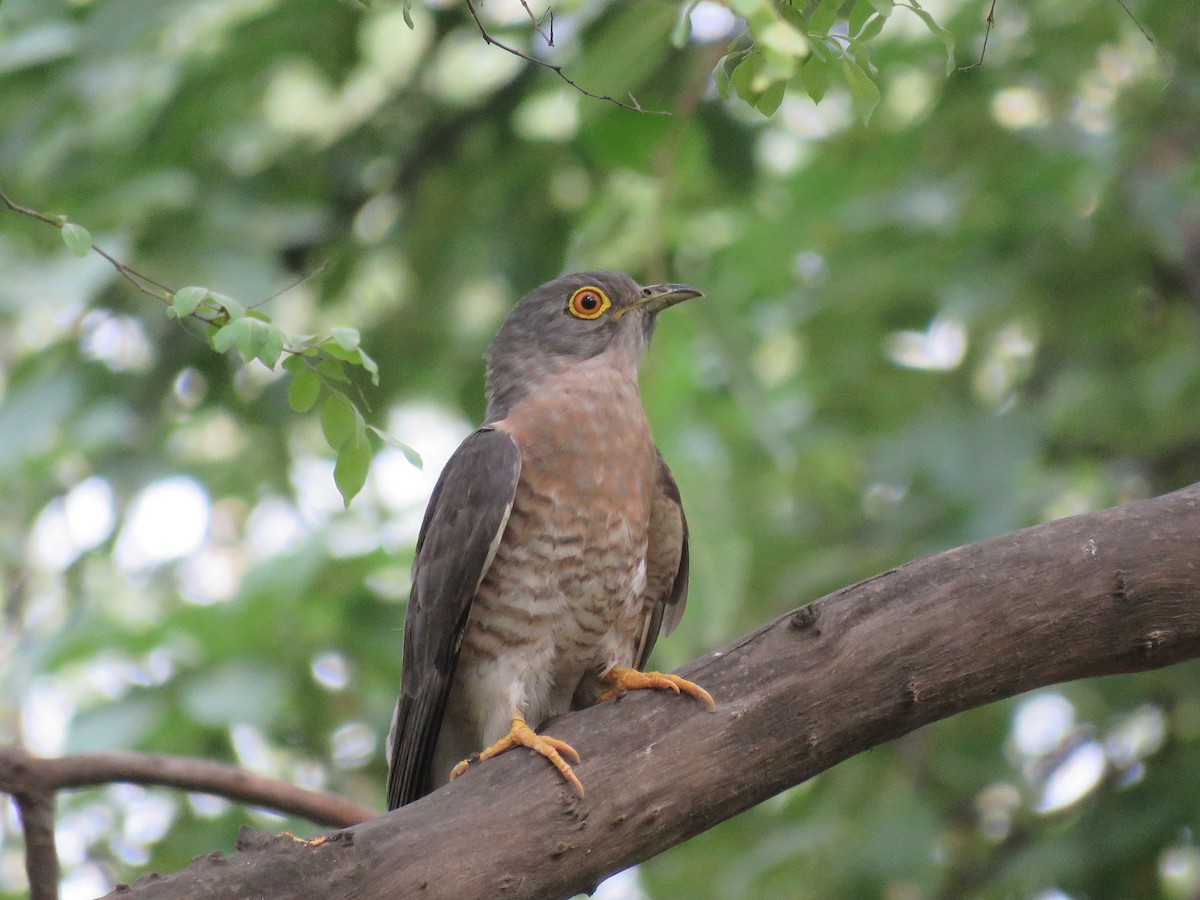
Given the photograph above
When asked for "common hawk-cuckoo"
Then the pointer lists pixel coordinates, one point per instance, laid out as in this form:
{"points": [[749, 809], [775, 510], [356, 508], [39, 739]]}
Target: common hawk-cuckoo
{"points": [[554, 549]]}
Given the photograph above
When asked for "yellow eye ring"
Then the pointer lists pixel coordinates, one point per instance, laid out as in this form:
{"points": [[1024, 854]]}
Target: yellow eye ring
{"points": [[588, 303]]}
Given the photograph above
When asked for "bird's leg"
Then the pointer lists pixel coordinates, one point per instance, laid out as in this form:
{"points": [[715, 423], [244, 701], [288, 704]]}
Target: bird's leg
{"points": [[522, 735], [624, 679]]}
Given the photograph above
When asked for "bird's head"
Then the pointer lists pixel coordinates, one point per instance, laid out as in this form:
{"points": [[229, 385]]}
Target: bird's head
{"points": [[572, 319]]}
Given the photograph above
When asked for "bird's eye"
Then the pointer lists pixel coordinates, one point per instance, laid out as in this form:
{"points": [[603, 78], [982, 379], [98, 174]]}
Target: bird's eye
{"points": [[588, 303]]}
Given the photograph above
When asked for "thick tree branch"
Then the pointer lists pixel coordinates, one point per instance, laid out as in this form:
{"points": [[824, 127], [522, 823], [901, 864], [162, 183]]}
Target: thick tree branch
{"points": [[30, 776], [1114, 591]]}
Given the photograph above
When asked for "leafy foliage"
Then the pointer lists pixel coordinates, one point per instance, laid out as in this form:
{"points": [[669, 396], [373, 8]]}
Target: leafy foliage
{"points": [[974, 312]]}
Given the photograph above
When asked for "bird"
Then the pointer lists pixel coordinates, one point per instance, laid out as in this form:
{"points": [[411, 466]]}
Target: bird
{"points": [[554, 549]]}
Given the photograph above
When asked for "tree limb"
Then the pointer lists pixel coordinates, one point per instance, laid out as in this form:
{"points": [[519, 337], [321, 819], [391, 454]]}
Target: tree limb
{"points": [[41, 855], [30, 776], [1113, 591]]}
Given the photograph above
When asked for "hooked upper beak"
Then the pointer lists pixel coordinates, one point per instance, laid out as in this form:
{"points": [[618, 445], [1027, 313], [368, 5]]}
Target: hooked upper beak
{"points": [[657, 297]]}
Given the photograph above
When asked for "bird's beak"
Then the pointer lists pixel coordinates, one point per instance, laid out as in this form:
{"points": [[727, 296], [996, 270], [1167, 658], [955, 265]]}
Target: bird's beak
{"points": [[657, 297]]}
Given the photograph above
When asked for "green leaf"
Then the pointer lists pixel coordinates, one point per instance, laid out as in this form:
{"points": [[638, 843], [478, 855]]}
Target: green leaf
{"points": [[866, 94], [862, 11], [339, 419], [295, 363], [682, 32], [407, 12], [272, 346], [77, 239], [743, 75], [305, 389], [824, 16], [768, 101], [228, 305], [350, 470], [871, 28], [347, 338], [721, 76], [409, 453], [942, 34], [300, 342], [370, 365], [776, 67], [251, 337], [186, 301], [761, 79], [333, 370], [748, 9], [783, 37], [337, 351], [227, 336], [815, 77]]}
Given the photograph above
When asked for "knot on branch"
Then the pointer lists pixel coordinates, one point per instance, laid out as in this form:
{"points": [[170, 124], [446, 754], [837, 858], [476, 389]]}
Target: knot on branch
{"points": [[1121, 592], [805, 619], [1153, 640]]}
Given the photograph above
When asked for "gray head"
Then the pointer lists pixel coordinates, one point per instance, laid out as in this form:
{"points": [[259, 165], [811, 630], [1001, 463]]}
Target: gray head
{"points": [[569, 320]]}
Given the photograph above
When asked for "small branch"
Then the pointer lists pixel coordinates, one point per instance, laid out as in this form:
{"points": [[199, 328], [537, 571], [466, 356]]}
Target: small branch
{"points": [[21, 774], [304, 279], [991, 22], [26, 211], [41, 856], [1148, 36], [144, 283], [632, 105], [537, 23]]}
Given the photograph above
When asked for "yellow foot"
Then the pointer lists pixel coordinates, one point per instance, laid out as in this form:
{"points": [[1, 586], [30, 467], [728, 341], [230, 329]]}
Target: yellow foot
{"points": [[624, 679], [524, 736], [315, 842]]}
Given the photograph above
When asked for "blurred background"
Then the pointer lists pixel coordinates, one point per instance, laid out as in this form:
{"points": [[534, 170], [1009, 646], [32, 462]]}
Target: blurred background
{"points": [[977, 312]]}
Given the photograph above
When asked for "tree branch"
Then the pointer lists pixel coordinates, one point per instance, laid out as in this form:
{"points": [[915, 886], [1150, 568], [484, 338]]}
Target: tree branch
{"points": [[24, 775], [41, 855], [144, 283], [632, 105], [1113, 591]]}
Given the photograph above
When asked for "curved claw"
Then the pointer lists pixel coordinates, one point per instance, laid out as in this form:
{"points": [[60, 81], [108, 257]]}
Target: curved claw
{"points": [[522, 735], [625, 679]]}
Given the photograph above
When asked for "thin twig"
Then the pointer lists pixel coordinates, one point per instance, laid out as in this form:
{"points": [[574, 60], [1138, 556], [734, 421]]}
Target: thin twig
{"points": [[144, 283], [1148, 36], [304, 279], [991, 22], [632, 105], [537, 23]]}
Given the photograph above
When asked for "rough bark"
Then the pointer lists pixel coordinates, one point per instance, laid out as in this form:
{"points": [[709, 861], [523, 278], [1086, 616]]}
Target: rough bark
{"points": [[1114, 591]]}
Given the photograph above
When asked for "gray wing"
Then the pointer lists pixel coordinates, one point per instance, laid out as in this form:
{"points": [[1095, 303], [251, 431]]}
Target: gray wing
{"points": [[463, 525], [666, 563]]}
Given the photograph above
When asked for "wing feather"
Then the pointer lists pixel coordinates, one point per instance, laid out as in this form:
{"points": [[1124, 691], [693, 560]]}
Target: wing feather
{"points": [[666, 564], [463, 525]]}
